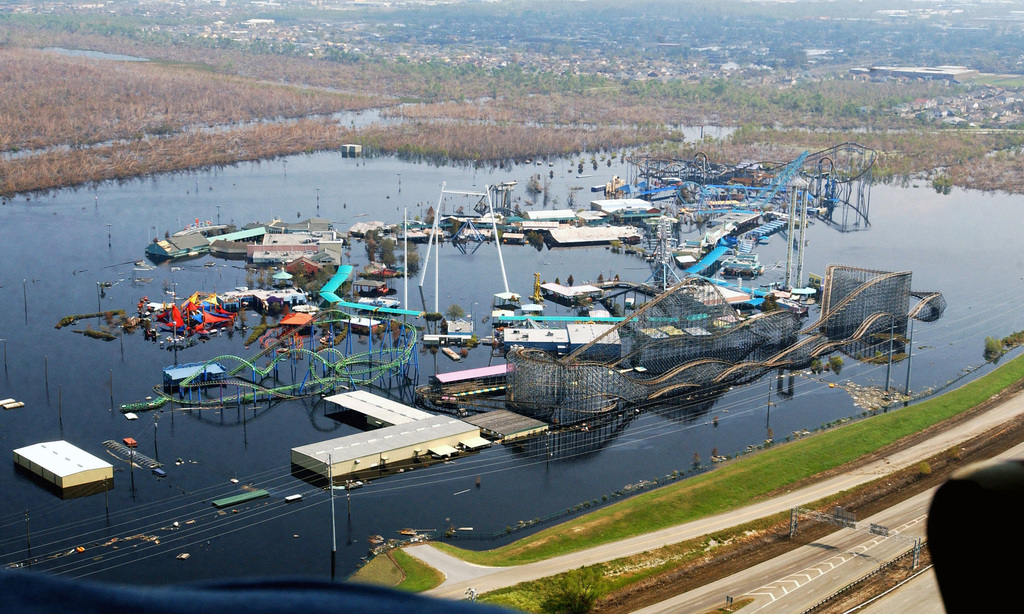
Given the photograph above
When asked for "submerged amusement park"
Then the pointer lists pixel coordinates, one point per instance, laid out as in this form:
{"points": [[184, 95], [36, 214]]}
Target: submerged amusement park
{"points": [[334, 352]]}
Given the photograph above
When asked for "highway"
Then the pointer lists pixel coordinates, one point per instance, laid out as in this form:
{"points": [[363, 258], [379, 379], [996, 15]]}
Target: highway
{"points": [[797, 580], [801, 578], [789, 583]]}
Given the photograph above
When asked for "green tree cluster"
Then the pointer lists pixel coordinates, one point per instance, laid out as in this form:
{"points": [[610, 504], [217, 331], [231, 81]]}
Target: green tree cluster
{"points": [[576, 592]]}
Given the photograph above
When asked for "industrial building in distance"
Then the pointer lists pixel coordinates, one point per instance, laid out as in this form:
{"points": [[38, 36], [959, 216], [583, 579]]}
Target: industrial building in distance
{"points": [[957, 74]]}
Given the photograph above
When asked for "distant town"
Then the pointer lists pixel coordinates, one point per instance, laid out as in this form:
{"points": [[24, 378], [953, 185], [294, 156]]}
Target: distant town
{"points": [[654, 45]]}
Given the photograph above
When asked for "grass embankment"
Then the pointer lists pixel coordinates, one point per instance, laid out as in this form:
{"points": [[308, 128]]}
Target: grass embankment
{"points": [[379, 571], [744, 481], [398, 570], [613, 577], [419, 576]]}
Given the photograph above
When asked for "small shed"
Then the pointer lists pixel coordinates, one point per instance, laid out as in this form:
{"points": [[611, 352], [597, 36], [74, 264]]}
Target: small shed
{"points": [[71, 470], [369, 287]]}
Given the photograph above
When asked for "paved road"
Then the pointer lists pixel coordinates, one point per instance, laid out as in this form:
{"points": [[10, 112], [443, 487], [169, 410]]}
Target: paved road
{"points": [[920, 595], [461, 576], [801, 578]]}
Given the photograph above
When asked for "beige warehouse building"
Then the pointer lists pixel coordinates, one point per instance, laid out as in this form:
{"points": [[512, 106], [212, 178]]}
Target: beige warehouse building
{"points": [[377, 451], [73, 471]]}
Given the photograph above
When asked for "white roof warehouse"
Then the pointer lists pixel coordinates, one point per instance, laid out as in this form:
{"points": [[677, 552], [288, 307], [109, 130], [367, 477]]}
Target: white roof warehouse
{"points": [[436, 436], [64, 465]]}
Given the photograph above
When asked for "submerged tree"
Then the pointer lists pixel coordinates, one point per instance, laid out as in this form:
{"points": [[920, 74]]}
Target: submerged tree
{"points": [[455, 312], [386, 252], [993, 349], [412, 261], [835, 363]]}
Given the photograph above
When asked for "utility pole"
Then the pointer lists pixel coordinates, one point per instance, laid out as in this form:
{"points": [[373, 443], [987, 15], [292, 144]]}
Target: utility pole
{"points": [[334, 531], [892, 332], [910, 356]]}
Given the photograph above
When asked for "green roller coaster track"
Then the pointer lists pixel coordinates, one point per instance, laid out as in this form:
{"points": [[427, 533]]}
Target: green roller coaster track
{"points": [[326, 368]]}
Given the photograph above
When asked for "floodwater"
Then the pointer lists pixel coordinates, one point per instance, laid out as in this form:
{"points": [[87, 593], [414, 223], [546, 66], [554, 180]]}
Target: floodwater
{"points": [[95, 55], [55, 251]]}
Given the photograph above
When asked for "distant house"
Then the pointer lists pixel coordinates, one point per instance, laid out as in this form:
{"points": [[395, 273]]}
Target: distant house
{"points": [[303, 265]]}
